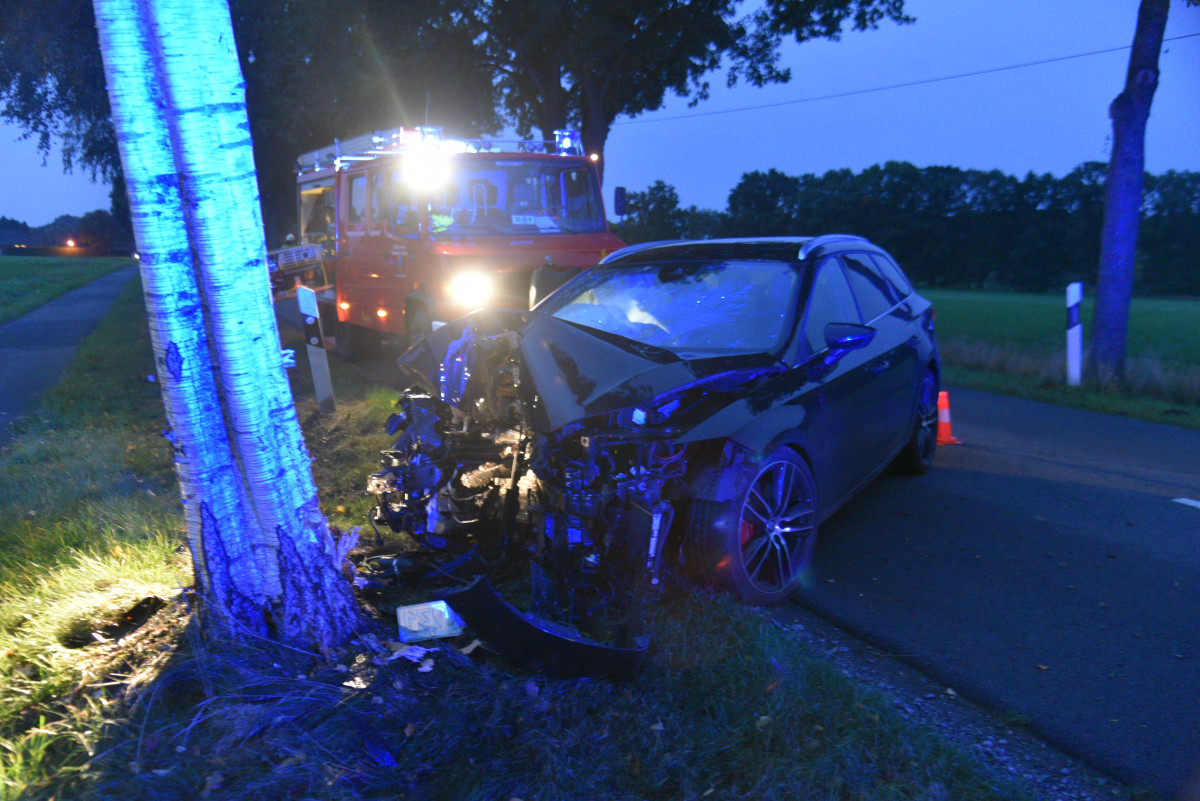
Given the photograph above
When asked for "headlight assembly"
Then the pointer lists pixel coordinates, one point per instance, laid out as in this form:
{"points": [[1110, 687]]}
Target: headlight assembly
{"points": [[470, 290]]}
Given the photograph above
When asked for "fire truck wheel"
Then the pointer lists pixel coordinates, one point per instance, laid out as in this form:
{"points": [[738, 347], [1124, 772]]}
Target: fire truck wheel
{"points": [[355, 343], [546, 280], [417, 324]]}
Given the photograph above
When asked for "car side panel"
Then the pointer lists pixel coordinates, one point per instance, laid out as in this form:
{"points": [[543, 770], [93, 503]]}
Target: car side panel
{"points": [[898, 373]]}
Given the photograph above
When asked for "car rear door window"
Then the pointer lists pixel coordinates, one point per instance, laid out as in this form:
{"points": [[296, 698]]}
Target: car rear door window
{"points": [[875, 296], [830, 301], [892, 272]]}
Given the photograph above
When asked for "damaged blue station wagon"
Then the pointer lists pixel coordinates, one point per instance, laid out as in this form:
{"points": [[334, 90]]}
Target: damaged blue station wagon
{"points": [[709, 402]]}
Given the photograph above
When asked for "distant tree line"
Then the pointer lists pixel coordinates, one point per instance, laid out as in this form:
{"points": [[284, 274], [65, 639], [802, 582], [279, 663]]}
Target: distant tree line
{"points": [[8, 224], [97, 230], [953, 227]]}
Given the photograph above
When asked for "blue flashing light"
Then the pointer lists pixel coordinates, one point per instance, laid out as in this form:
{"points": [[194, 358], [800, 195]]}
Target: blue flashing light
{"points": [[430, 133], [639, 417], [568, 142]]}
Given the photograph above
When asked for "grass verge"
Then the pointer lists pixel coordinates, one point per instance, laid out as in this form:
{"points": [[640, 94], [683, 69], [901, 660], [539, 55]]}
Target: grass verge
{"points": [[1108, 400], [728, 706], [27, 282], [89, 526]]}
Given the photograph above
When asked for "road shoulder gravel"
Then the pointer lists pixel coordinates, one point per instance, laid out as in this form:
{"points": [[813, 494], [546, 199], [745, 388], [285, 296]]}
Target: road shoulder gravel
{"points": [[1006, 749]]}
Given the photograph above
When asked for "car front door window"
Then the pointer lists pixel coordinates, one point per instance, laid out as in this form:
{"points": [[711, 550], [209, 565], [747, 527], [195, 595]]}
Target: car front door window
{"points": [[829, 301]]}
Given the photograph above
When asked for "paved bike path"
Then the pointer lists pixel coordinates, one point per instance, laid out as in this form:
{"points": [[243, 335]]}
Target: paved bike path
{"points": [[36, 348]]}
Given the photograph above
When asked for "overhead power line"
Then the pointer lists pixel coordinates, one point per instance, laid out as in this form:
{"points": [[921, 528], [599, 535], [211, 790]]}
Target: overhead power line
{"points": [[889, 87]]}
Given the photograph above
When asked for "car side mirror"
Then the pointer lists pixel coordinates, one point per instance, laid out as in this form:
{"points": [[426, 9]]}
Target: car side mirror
{"points": [[841, 338], [619, 201], [848, 336]]}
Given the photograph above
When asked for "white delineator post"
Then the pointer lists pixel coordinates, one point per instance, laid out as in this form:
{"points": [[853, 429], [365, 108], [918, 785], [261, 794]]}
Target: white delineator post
{"points": [[306, 300], [1074, 333]]}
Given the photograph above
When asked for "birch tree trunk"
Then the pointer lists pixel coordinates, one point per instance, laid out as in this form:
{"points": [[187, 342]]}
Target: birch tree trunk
{"points": [[265, 559], [1123, 193]]}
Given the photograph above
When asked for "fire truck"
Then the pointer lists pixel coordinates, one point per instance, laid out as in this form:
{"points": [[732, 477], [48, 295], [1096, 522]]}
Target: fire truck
{"points": [[408, 228]]}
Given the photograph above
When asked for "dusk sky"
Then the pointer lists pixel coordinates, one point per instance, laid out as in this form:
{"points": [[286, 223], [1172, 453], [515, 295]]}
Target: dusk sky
{"points": [[1049, 117]]}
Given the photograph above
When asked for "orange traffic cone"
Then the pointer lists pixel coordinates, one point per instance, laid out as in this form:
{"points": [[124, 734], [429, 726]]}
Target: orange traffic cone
{"points": [[944, 435]]}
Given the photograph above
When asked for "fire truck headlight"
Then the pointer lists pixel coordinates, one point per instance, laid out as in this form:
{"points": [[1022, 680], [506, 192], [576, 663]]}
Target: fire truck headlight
{"points": [[470, 290]]}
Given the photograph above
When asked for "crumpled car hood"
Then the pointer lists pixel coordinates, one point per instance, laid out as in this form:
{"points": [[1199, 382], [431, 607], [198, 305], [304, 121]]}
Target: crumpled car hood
{"points": [[578, 373]]}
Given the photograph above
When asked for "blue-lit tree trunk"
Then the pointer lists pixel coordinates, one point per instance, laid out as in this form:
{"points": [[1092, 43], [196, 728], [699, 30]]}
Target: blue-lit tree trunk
{"points": [[1123, 193], [264, 556]]}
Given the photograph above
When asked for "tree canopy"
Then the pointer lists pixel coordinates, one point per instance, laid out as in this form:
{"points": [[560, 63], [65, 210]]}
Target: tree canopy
{"points": [[315, 73], [587, 62], [311, 75], [52, 81]]}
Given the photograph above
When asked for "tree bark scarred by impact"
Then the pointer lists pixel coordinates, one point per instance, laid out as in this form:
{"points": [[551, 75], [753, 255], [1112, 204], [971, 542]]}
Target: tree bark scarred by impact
{"points": [[179, 107], [1123, 194]]}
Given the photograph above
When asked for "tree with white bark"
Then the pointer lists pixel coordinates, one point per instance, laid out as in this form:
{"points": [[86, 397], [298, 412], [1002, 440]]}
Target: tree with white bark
{"points": [[266, 561]]}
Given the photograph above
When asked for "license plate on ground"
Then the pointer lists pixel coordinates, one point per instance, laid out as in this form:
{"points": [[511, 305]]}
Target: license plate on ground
{"points": [[428, 621]]}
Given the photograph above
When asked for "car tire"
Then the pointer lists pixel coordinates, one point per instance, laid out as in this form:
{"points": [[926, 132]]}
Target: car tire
{"points": [[916, 457], [759, 544], [545, 280], [417, 323], [355, 343]]}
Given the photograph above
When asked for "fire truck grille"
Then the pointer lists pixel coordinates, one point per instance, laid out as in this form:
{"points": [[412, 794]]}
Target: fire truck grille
{"points": [[293, 257], [512, 289]]}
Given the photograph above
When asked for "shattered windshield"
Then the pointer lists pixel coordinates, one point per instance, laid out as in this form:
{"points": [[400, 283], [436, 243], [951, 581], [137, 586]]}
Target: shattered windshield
{"points": [[517, 197], [718, 307]]}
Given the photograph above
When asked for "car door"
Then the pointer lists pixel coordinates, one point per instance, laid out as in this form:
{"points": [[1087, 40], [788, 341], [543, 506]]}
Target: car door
{"points": [[893, 365], [848, 392]]}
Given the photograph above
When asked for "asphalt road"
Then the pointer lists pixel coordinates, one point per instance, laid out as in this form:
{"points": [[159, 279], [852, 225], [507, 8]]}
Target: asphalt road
{"points": [[35, 348], [1043, 568]]}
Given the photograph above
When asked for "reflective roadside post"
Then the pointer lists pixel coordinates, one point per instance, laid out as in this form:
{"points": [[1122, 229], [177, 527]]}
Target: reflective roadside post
{"points": [[1074, 333], [306, 299]]}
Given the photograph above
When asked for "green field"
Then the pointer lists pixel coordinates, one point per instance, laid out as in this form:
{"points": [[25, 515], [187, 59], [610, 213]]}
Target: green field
{"points": [[27, 282], [1164, 329], [1015, 344]]}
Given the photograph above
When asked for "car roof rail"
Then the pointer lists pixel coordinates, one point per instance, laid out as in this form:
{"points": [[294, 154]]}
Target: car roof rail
{"points": [[827, 239]]}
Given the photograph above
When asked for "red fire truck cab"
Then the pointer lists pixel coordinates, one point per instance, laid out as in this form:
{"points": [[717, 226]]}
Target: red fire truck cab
{"points": [[418, 228]]}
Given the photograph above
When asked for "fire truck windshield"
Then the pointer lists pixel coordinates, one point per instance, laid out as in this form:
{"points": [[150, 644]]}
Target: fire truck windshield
{"points": [[515, 197]]}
